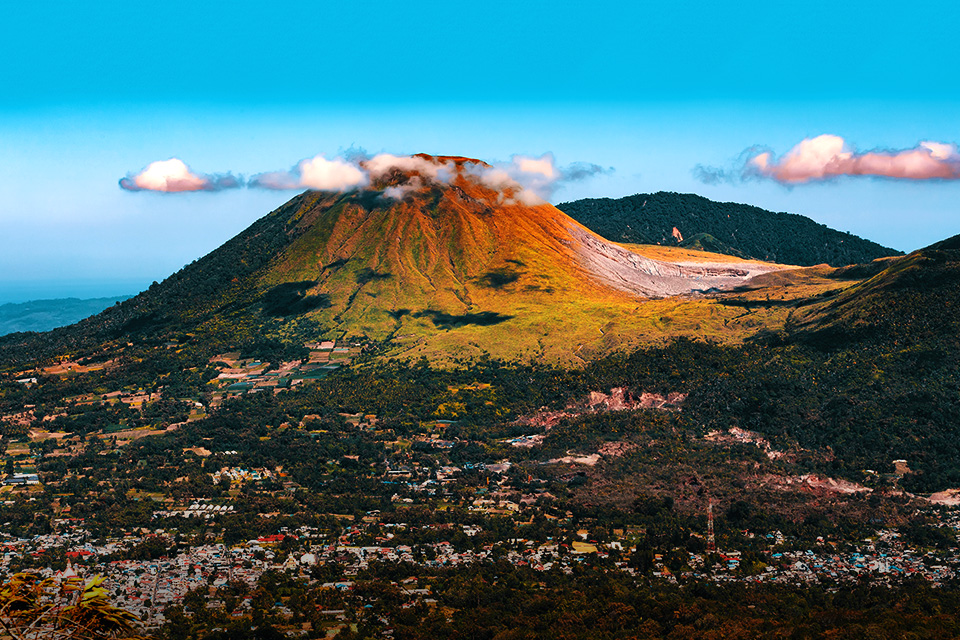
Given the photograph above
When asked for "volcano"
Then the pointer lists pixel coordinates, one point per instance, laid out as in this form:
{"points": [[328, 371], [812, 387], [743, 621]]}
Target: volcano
{"points": [[460, 252], [436, 254]]}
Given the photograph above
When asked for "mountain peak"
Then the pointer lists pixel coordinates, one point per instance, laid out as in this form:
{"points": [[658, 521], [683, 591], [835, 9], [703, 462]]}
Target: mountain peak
{"points": [[400, 176], [457, 160]]}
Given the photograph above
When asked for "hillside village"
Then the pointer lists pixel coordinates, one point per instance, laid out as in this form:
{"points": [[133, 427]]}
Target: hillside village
{"points": [[194, 507], [236, 376], [187, 555], [240, 375]]}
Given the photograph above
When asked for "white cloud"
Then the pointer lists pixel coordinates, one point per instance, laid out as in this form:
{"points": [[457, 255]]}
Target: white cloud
{"points": [[828, 156], [330, 175], [174, 176], [314, 173], [525, 179], [530, 180], [383, 163]]}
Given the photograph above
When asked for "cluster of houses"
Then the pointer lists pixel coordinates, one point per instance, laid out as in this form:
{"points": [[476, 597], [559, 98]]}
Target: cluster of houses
{"points": [[195, 510], [21, 479], [241, 475], [238, 375], [146, 587]]}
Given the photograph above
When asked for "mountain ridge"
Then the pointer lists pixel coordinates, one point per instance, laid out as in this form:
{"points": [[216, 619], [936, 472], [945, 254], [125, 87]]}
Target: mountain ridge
{"points": [[737, 229]]}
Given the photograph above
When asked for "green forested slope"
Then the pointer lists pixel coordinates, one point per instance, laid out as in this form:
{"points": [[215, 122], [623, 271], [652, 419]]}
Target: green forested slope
{"points": [[723, 227]]}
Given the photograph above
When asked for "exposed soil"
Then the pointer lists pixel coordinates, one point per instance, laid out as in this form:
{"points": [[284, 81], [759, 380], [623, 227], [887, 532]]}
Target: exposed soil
{"points": [[948, 498], [815, 484], [618, 399], [736, 435], [621, 269]]}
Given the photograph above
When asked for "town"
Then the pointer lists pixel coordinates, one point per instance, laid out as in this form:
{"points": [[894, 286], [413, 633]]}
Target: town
{"points": [[199, 505], [351, 548]]}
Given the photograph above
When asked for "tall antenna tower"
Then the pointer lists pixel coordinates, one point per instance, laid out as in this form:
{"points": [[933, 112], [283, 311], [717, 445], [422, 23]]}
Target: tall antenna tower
{"points": [[711, 540]]}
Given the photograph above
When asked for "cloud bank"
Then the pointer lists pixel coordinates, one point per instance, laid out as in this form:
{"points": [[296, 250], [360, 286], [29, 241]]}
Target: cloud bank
{"points": [[314, 173], [524, 179], [173, 176], [828, 157]]}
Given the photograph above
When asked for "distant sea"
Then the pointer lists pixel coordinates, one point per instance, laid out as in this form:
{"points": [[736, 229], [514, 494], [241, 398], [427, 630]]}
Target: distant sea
{"points": [[83, 289], [43, 315]]}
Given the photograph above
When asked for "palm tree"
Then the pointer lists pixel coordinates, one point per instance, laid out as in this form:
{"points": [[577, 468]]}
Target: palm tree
{"points": [[61, 608]]}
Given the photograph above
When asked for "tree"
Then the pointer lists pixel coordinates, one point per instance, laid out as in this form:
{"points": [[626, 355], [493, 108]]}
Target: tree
{"points": [[32, 608]]}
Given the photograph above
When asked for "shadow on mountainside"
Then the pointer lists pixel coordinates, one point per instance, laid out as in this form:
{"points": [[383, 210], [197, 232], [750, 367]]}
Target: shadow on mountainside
{"points": [[291, 298], [368, 274], [451, 321], [499, 278]]}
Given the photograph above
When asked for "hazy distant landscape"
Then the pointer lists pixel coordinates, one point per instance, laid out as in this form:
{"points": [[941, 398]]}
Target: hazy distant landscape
{"points": [[43, 315]]}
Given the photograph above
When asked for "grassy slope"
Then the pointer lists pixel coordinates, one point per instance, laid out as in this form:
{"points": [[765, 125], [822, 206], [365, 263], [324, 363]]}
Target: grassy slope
{"points": [[911, 301]]}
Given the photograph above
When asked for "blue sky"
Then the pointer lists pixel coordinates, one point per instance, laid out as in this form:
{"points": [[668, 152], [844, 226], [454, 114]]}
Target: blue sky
{"points": [[89, 94]]}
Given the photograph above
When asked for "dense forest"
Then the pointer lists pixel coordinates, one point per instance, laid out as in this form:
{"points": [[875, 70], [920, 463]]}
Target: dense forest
{"points": [[721, 227]]}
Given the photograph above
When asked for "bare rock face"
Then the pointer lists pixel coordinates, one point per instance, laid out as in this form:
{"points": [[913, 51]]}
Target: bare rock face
{"points": [[949, 497], [620, 269], [815, 484]]}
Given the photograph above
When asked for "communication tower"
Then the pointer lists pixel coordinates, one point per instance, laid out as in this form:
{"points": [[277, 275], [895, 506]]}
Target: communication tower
{"points": [[711, 540]]}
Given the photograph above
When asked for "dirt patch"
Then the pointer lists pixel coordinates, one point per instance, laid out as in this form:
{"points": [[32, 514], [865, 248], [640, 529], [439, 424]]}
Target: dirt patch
{"points": [[947, 498], [588, 460], [67, 366], [39, 436], [736, 435], [22, 419], [607, 450], [815, 484], [616, 449], [618, 399]]}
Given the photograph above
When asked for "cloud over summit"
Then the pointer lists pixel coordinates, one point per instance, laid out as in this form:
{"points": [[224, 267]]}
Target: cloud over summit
{"points": [[524, 179], [534, 180]]}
